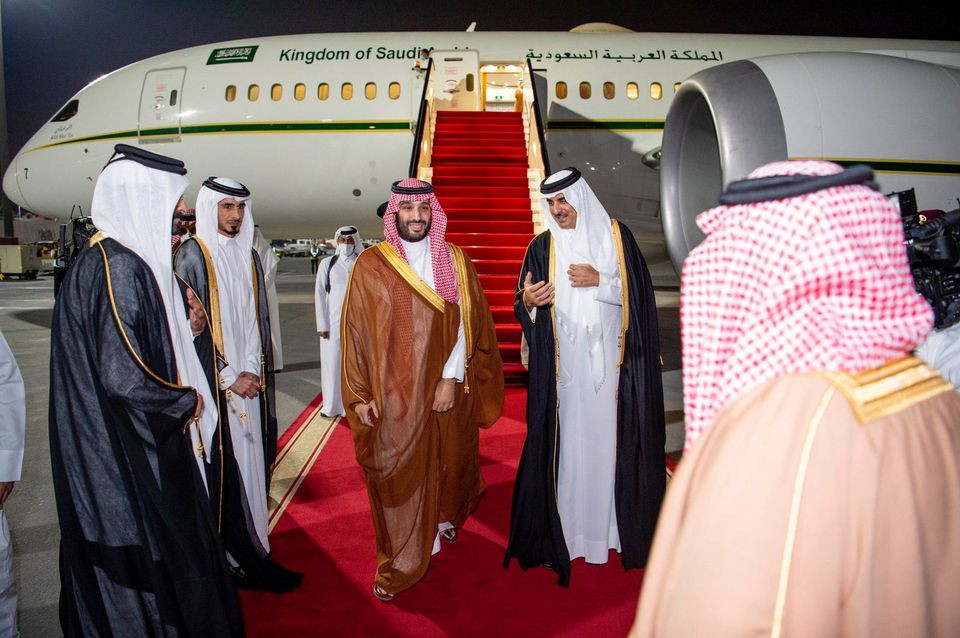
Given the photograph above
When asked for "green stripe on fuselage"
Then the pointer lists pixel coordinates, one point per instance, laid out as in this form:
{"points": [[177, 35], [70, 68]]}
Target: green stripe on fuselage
{"points": [[904, 166], [251, 127]]}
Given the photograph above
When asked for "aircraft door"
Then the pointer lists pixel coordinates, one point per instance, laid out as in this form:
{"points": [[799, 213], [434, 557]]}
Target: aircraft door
{"points": [[160, 101], [455, 80]]}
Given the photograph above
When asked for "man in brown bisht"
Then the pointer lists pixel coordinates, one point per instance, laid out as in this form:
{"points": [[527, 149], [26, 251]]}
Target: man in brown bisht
{"points": [[820, 491], [421, 374]]}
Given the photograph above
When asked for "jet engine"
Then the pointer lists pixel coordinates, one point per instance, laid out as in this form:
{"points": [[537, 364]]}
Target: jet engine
{"points": [[898, 115]]}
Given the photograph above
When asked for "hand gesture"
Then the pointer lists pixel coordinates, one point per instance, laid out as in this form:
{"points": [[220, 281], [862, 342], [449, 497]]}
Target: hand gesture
{"points": [[443, 398], [247, 385], [536, 294], [583, 276], [198, 317], [367, 412]]}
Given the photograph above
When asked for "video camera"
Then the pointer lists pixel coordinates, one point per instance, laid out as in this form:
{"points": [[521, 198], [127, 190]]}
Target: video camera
{"points": [[933, 249]]}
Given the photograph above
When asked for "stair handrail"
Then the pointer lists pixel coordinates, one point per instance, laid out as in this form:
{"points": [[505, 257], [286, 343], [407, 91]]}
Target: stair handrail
{"points": [[423, 122], [535, 106]]}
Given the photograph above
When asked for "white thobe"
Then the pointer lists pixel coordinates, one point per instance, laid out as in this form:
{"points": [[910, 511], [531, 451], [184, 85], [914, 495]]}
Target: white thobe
{"points": [[13, 419], [418, 256], [586, 475], [241, 344], [329, 307], [941, 349]]}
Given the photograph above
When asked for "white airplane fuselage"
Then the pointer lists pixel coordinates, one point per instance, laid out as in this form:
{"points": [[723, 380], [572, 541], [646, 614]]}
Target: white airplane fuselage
{"points": [[314, 164]]}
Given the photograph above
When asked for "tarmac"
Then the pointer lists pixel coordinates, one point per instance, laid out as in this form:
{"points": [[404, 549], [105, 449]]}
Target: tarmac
{"points": [[26, 308]]}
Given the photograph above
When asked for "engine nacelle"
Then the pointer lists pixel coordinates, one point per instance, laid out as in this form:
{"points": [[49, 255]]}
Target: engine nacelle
{"points": [[900, 116]]}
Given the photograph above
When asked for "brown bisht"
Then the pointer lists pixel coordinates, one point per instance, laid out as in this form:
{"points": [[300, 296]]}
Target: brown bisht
{"points": [[422, 467]]}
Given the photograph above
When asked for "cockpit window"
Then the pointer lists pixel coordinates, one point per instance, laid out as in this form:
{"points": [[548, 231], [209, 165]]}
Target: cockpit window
{"points": [[67, 112]]}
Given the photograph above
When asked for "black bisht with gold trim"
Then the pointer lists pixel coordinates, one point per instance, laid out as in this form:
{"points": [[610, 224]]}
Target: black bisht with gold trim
{"points": [[139, 553], [536, 534]]}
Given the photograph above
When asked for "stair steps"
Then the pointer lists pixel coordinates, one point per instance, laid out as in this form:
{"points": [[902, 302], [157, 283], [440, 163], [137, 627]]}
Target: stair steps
{"points": [[479, 166]]}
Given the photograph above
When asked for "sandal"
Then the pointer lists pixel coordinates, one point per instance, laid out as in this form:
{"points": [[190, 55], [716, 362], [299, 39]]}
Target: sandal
{"points": [[381, 595], [449, 535]]}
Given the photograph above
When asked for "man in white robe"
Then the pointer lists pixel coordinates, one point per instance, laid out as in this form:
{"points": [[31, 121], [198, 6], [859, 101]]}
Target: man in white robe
{"points": [[225, 226], [330, 289], [591, 477]]}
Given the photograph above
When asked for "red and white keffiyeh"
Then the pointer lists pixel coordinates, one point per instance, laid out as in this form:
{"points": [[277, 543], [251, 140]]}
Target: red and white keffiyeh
{"points": [[814, 282], [444, 276]]}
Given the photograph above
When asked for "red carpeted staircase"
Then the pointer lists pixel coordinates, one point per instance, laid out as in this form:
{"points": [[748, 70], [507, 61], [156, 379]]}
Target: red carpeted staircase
{"points": [[479, 167]]}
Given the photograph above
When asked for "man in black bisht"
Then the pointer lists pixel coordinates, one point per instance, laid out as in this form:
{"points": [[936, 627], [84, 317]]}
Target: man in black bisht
{"points": [[222, 269], [591, 476], [139, 553]]}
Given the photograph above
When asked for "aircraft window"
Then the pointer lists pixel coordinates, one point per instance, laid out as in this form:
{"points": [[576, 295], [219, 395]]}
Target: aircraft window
{"points": [[299, 92], [676, 87], [276, 92], [253, 92], [394, 90], [370, 90], [585, 90], [323, 91], [346, 91], [609, 91], [656, 91], [231, 93], [633, 91], [561, 90], [67, 112], [173, 97]]}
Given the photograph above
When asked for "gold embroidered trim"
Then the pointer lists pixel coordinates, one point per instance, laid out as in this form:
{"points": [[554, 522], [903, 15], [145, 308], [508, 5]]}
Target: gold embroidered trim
{"points": [[787, 559], [459, 262], [408, 274], [343, 333], [551, 278], [219, 407], [892, 387], [126, 340], [97, 238], [624, 290], [466, 312], [216, 325]]}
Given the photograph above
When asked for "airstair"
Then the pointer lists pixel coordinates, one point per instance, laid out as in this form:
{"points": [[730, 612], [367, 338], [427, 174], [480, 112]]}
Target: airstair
{"points": [[486, 168]]}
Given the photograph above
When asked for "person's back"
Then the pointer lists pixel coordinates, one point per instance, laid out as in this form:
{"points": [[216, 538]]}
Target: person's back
{"points": [[126, 483], [822, 469], [138, 552]]}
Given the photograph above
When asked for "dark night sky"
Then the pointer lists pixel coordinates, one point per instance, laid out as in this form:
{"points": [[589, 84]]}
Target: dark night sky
{"points": [[52, 48]]}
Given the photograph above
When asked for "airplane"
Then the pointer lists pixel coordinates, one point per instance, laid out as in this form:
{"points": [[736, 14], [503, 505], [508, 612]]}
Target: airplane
{"points": [[318, 126]]}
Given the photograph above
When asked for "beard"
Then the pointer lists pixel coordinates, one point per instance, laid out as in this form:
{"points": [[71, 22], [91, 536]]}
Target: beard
{"points": [[408, 235]]}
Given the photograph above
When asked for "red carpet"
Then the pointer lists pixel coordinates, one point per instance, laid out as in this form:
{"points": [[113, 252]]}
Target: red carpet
{"points": [[327, 533], [479, 166]]}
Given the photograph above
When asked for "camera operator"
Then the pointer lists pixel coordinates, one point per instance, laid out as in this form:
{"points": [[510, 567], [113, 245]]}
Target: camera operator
{"points": [[933, 248]]}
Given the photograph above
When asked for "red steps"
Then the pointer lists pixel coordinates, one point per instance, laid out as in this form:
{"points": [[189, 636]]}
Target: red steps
{"points": [[481, 239], [495, 252], [487, 226], [497, 266], [479, 162]]}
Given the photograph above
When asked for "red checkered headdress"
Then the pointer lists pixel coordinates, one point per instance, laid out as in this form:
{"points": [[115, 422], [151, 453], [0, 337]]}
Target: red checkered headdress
{"points": [[413, 190], [816, 281]]}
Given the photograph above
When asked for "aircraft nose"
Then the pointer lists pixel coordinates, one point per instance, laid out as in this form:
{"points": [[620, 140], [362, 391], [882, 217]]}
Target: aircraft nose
{"points": [[11, 184]]}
